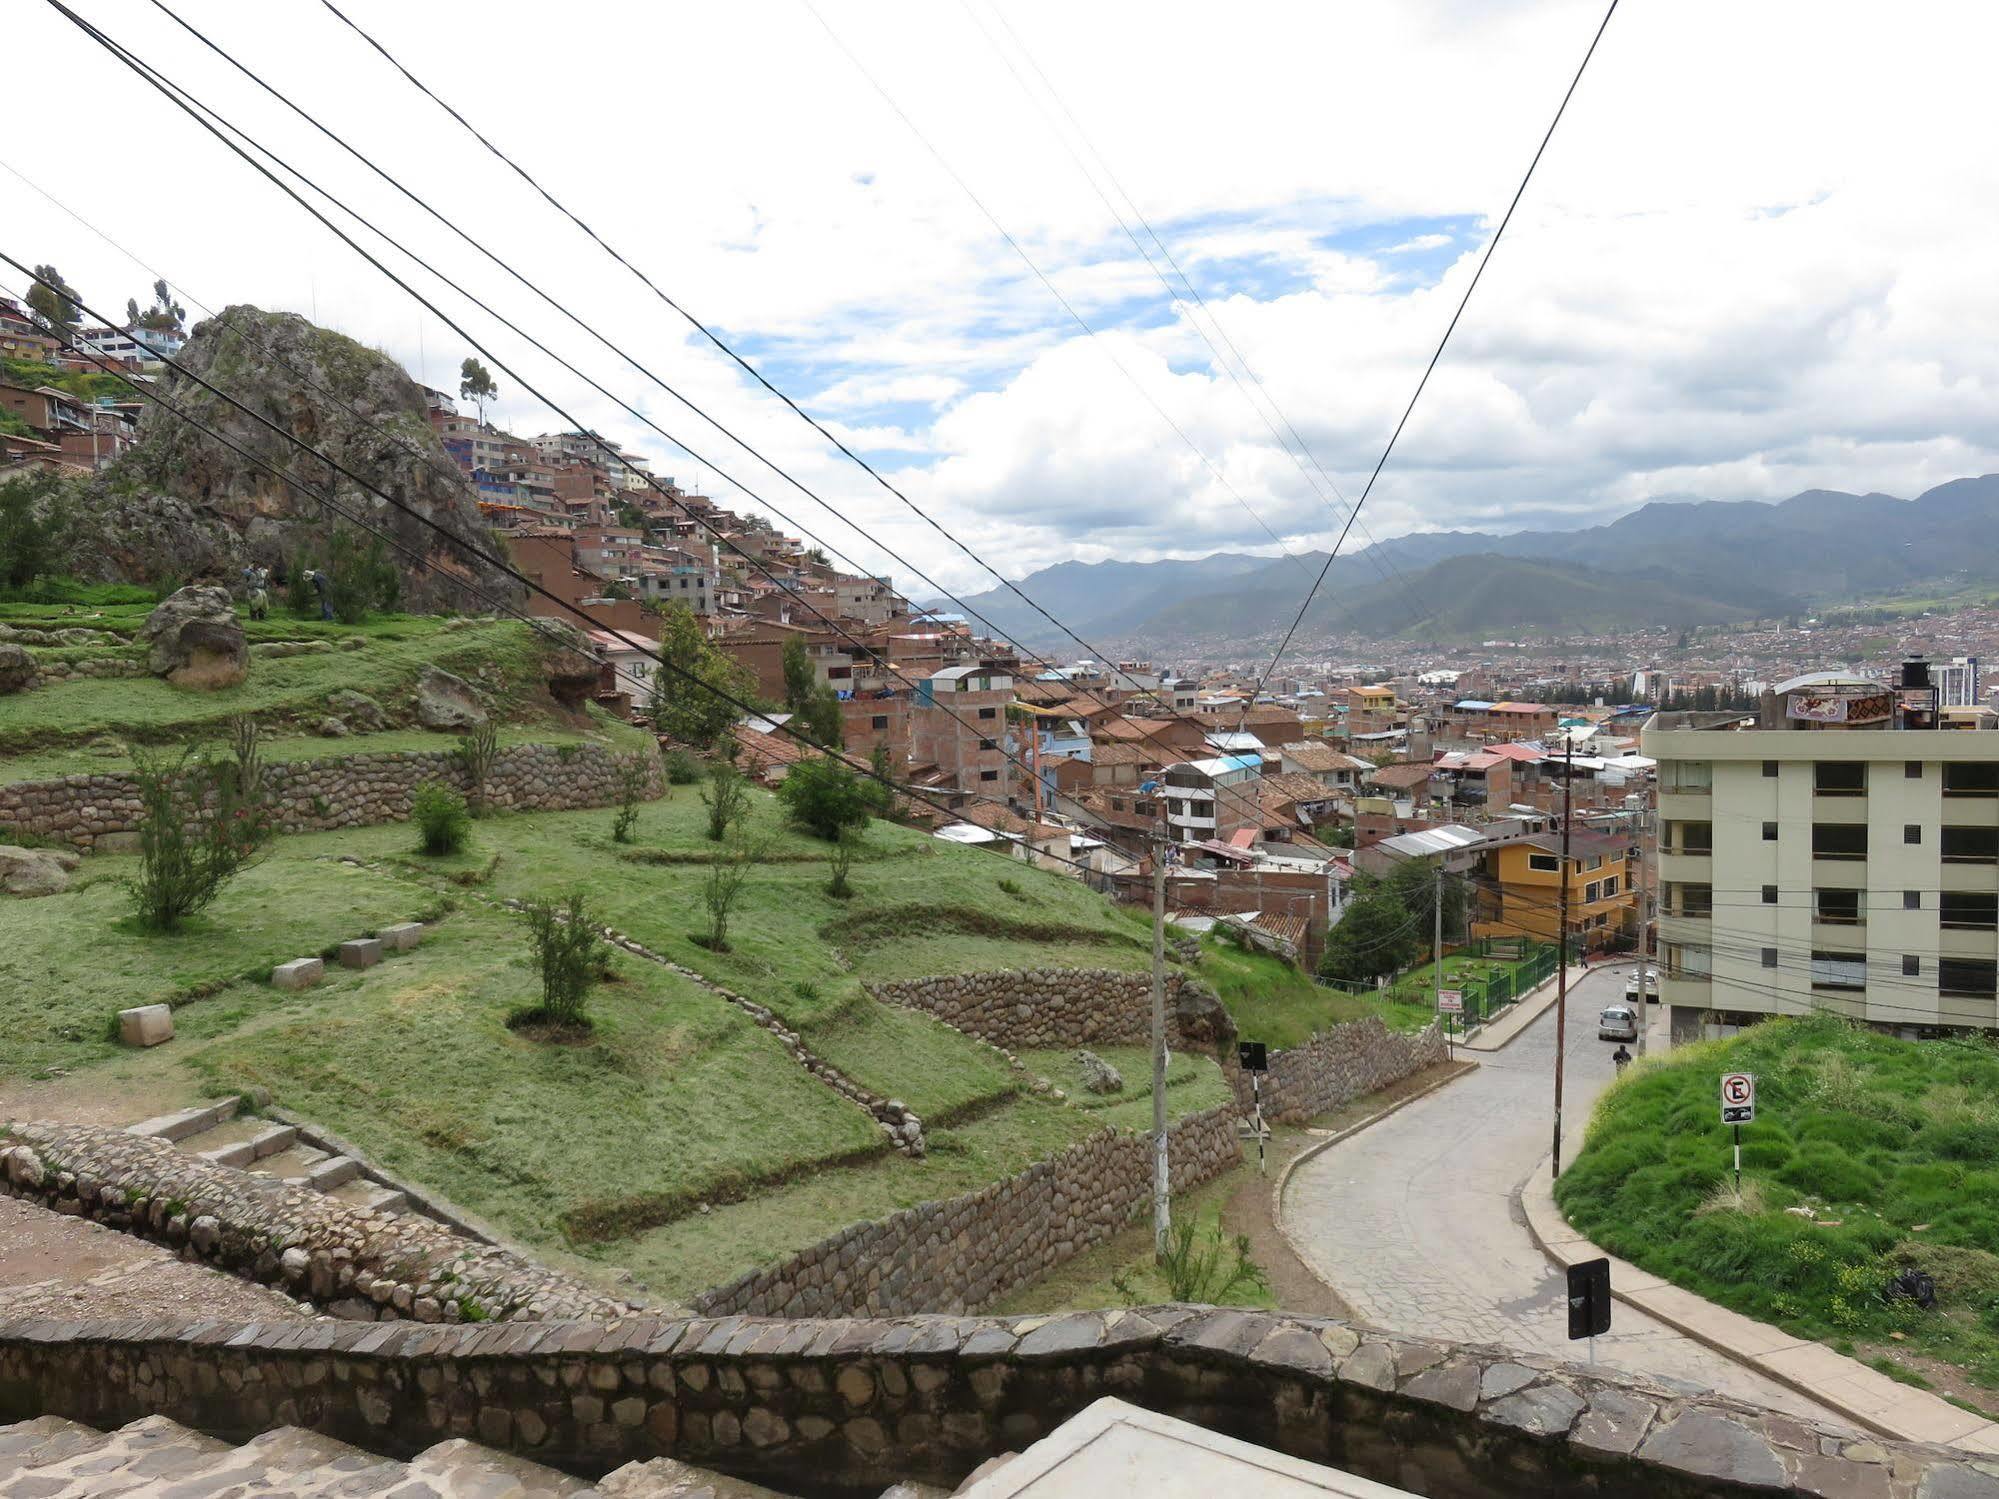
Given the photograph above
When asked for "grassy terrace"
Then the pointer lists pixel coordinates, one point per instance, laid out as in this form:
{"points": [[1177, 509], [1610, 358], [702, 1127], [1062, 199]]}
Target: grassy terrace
{"points": [[1887, 1149], [1280, 1006]]}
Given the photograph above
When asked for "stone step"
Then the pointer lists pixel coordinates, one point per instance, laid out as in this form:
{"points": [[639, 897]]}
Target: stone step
{"points": [[333, 1171], [148, 1456], [460, 1468], [370, 1196], [291, 1165], [242, 1142], [178, 1127], [45, 1439], [670, 1478]]}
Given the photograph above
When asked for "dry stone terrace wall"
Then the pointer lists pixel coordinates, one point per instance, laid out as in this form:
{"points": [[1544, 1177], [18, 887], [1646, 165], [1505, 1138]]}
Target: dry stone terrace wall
{"points": [[1048, 1007], [966, 1252], [848, 1406], [352, 1263], [338, 791], [1337, 1066]]}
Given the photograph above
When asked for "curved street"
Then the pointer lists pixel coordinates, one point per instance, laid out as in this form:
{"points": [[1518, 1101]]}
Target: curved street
{"points": [[1414, 1220]]}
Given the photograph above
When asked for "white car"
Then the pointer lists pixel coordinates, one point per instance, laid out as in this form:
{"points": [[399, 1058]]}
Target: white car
{"points": [[1617, 1023], [1651, 987]]}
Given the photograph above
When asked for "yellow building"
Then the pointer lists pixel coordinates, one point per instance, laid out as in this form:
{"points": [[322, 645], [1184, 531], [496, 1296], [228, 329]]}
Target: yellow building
{"points": [[1523, 885]]}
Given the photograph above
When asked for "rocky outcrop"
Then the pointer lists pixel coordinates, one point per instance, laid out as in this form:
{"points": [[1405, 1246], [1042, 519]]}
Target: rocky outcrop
{"points": [[17, 669], [196, 640], [571, 664], [447, 702], [35, 871], [183, 504]]}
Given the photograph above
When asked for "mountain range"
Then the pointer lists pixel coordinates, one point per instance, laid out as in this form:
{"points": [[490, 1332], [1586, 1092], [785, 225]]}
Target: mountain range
{"points": [[1669, 563]]}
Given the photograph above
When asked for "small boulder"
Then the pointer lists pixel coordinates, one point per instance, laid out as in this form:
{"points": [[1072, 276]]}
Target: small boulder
{"points": [[17, 669], [332, 728], [146, 1025], [196, 639], [299, 973], [447, 702], [361, 952], [358, 709], [1098, 1075], [35, 871]]}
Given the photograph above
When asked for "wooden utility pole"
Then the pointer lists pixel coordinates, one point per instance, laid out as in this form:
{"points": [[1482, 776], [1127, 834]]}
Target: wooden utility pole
{"points": [[1562, 948], [1161, 1179]]}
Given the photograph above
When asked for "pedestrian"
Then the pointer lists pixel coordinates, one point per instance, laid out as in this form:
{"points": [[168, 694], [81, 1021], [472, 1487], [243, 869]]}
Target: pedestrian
{"points": [[1622, 1057], [323, 586]]}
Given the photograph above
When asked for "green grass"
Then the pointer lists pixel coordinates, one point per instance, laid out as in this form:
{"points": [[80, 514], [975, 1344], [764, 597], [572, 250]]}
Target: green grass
{"points": [[1893, 1145], [1193, 1083], [677, 1097], [1281, 1006]]}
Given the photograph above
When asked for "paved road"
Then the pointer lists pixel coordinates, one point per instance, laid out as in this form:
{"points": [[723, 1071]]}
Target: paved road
{"points": [[1413, 1220]]}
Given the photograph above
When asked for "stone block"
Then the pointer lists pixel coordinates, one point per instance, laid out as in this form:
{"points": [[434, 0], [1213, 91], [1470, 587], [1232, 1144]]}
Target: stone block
{"points": [[401, 937], [361, 952], [146, 1025], [299, 973]]}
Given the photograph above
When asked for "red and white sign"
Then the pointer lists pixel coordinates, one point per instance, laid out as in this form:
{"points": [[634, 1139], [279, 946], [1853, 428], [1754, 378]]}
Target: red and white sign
{"points": [[1738, 1098], [1451, 1001]]}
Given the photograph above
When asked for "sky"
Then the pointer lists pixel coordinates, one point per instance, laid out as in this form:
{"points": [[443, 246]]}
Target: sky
{"points": [[1101, 281]]}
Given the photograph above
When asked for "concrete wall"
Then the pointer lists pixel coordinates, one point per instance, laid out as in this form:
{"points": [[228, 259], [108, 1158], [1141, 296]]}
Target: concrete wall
{"points": [[848, 1406], [966, 1252], [337, 792]]}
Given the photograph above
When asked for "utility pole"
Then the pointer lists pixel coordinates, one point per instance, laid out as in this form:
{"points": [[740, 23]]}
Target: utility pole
{"points": [[1562, 950], [1644, 927], [1437, 958], [1161, 1181]]}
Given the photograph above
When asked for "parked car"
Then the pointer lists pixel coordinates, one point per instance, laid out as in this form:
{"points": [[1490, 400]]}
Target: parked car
{"points": [[1651, 987], [1617, 1023]]}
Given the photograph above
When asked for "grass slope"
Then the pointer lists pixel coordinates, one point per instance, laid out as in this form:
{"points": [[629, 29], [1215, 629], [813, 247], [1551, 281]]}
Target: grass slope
{"points": [[1892, 1145]]}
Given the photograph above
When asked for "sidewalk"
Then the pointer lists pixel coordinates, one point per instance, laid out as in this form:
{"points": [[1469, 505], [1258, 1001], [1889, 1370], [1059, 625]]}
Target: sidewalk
{"points": [[1521, 1014], [1845, 1385]]}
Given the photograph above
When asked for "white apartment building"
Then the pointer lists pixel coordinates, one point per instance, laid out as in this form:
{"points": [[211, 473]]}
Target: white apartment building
{"points": [[1824, 858]]}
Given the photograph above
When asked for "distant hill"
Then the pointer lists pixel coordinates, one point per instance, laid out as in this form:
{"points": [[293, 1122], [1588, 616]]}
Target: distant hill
{"points": [[1669, 563]]}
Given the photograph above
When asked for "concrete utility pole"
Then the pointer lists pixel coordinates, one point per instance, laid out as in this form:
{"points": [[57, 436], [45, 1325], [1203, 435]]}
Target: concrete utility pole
{"points": [[1161, 1178], [1644, 927], [1562, 950]]}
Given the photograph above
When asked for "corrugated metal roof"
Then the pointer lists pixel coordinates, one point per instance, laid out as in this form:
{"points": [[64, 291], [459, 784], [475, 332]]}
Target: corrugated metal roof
{"points": [[1450, 839]]}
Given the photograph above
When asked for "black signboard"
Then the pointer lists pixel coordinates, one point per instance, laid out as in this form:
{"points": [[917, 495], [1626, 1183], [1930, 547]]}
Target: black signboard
{"points": [[1253, 1056], [1589, 1299]]}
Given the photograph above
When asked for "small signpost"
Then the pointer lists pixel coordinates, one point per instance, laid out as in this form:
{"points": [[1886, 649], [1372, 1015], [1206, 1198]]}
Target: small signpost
{"points": [[1589, 1301], [1254, 1058], [1449, 1002], [1738, 1107]]}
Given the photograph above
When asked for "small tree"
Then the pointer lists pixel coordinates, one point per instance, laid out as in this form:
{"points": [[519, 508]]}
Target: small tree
{"points": [[720, 891], [441, 820], [53, 302], [200, 823], [799, 677], [475, 384], [477, 750], [568, 954], [694, 684], [825, 798], [820, 718], [632, 781], [299, 597], [360, 578], [1376, 935], [727, 797], [840, 887], [682, 769], [33, 528]]}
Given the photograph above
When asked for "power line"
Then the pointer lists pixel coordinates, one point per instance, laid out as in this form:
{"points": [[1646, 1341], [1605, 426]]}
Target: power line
{"points": [[1477, 274]]}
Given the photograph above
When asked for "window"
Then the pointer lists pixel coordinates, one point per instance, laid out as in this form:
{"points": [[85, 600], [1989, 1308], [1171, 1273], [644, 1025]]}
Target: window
{"points": [[1839, 907], [1912, 769], [1912, 900], [1769, 832], [1912, 966], [1977, 779], [989, 775], [988, 712], [1610, 887], [1769, 895], [1839, 840], [1547, 863], [1971, 978], [1592, 892], [1912, 832], [1769, 957], [1770, 770], [1968, 911], [1691, 900], [878, 721], [1687, 777], [1839, 970], [1839, 778], [1971, 845], [1694, 837], [988, 744]]}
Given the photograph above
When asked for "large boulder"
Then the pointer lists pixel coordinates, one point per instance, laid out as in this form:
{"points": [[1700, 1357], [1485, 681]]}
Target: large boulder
{"points": [[17, 669], [358, 709], [1202, 1017], [35, 871], [196, 639], [447, 702], [571, 665]]}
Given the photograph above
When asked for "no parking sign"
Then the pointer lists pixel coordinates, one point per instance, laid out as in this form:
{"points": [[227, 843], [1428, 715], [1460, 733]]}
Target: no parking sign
{"points": [[1738, 1098]]}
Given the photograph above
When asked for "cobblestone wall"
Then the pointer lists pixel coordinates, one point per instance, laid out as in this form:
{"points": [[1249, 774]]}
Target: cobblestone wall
{"points": [[1337, 1066], [1039, 1007], [341, 791], [850, 1406], [966, 1252], [357, 1265]]}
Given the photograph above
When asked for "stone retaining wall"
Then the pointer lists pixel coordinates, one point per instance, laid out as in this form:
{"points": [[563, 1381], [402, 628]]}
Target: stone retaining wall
{"points": [[1045, 1007], [1337, 1066], [342, 791], [966, 1252], [357, 1265], [850, 1406]]}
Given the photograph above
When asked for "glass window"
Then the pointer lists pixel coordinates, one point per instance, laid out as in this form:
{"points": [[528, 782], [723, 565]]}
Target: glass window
{"points": [[1975, 978], [1769, 895], [1548, 863], [1912, 832], [1968, 910], [1839, 840], [1978, 778], [1839, 777], [1971, 845], [1840, 907], [1688, 777], [1769, 832], [1695, 837], [1769, 957], [1912, 900], [1913, 769], [1912, 966], [989, 775], [1692, 900], [1839, 970], [878, 721], [1770, 769], [1593, 891]]}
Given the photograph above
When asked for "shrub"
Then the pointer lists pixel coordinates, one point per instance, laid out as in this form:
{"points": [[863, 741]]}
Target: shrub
{"points": [[721, 890], [201, 822], [682, 769], [442, 822], [1209, 1268], [568, 954], [1011, 887], [360, 578], [825, 798], [631, 795], [477, 751], [727, 798], [844, 848], [33, 528]]}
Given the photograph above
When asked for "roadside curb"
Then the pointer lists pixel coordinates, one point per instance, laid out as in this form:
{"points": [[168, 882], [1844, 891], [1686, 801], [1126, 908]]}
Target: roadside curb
{"points": [[1862, 1395], [1521, 1014], [1462, 1066]]}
